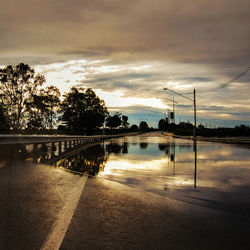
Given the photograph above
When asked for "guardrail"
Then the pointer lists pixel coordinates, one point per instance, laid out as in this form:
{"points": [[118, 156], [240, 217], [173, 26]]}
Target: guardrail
{"points": [[37, 139]]}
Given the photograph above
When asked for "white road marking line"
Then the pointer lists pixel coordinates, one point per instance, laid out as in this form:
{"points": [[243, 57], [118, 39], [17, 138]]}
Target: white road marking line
{"points": [[56, 235]]}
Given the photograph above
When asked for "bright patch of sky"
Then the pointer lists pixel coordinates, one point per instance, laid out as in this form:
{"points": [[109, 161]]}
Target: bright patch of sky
{"points": [[140, 84]]}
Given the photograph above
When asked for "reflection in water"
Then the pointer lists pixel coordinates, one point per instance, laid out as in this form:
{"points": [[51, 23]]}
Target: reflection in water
{"points": [[158, 163], [195, 162], [117, 148], [217, 176], [90, 160], [174, 163], [143, 145]]}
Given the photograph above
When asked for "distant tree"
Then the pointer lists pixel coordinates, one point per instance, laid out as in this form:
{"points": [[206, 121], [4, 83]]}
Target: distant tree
{"points": [[17, 83], [82, 110], [125, 123], [114, 121], [201, 126], [134, 128], [143, 126], [187, 124], [162, 125]]}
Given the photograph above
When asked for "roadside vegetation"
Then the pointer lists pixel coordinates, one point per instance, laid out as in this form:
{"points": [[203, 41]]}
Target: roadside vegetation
{"points": [[27, 107], [186, 129]]}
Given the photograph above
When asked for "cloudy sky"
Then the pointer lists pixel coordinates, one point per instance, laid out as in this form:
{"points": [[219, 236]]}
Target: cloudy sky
{"points": [[128, 51]]}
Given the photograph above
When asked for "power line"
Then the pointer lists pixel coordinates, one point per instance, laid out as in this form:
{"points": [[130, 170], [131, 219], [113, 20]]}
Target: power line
{"points": [[234, 79], [229, 82], [224, 84]]}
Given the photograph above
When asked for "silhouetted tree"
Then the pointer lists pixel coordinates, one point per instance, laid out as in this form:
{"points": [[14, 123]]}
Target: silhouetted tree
{"points": [[82, 110], [134, 128], [125, 123], [162, 125], [35, 110], [42, 108], [143, 126], [187, 124], [201, 126], [114, 121], [51, 96], [17, 83]]}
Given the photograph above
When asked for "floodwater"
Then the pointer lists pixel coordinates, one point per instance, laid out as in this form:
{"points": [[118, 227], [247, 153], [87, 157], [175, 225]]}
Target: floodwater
{"points": [[37, 180], [208, 174]]}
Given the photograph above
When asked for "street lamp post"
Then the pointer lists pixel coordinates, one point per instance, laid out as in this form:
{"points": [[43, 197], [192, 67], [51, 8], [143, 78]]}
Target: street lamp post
{"points": [[173, 110], [194, 129], [193, 101], [174, 103]]}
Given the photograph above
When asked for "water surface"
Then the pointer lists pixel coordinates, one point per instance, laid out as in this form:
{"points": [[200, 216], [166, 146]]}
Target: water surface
{"points": [[208, 174], [203, 173]]}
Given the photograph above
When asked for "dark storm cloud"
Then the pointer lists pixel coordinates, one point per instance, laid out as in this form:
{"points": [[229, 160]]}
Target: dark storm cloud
{"points": [[196, 79], [130, 83], [187, 44], [186, 31], [113, 77]]}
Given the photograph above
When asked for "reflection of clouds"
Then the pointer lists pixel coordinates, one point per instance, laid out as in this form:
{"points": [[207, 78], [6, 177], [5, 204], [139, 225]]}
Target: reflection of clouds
{"points": [[116, 166], [219, 166]]}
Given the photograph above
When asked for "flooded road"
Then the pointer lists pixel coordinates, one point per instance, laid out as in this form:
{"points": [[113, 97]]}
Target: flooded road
{"points": [[212, 174], [209, 174], [143, 192]]}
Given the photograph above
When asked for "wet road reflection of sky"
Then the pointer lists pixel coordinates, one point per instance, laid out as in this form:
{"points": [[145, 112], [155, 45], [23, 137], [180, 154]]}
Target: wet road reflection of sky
{"points": [[166, 166], [212, 174]]}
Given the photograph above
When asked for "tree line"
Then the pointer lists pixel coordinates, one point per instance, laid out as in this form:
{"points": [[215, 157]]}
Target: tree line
{"points": [[25, 105], [186, 129]]}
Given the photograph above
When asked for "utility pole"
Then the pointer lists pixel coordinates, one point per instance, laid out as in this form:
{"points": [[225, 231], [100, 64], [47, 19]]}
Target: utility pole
{"points": [[194, 132], [173, 110], [193, 101]]}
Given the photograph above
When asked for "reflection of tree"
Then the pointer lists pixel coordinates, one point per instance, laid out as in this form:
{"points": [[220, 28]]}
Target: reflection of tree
{"points": [[164, 147], [143, 145], [91, 160], [114, 148], [117, 148], [125, 148]]}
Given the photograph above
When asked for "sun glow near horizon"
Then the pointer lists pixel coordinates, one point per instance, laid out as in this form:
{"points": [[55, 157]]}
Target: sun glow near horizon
{"points": [[126, 85], [75, 73]]}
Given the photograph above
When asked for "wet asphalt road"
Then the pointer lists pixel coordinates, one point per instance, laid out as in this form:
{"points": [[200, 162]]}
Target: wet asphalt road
{"points": [[109, 215], [114, 216], [30, 198]]}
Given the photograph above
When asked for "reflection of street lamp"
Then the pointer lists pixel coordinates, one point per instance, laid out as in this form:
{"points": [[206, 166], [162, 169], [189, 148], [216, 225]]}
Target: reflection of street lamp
{"points": [[194, 102]]}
